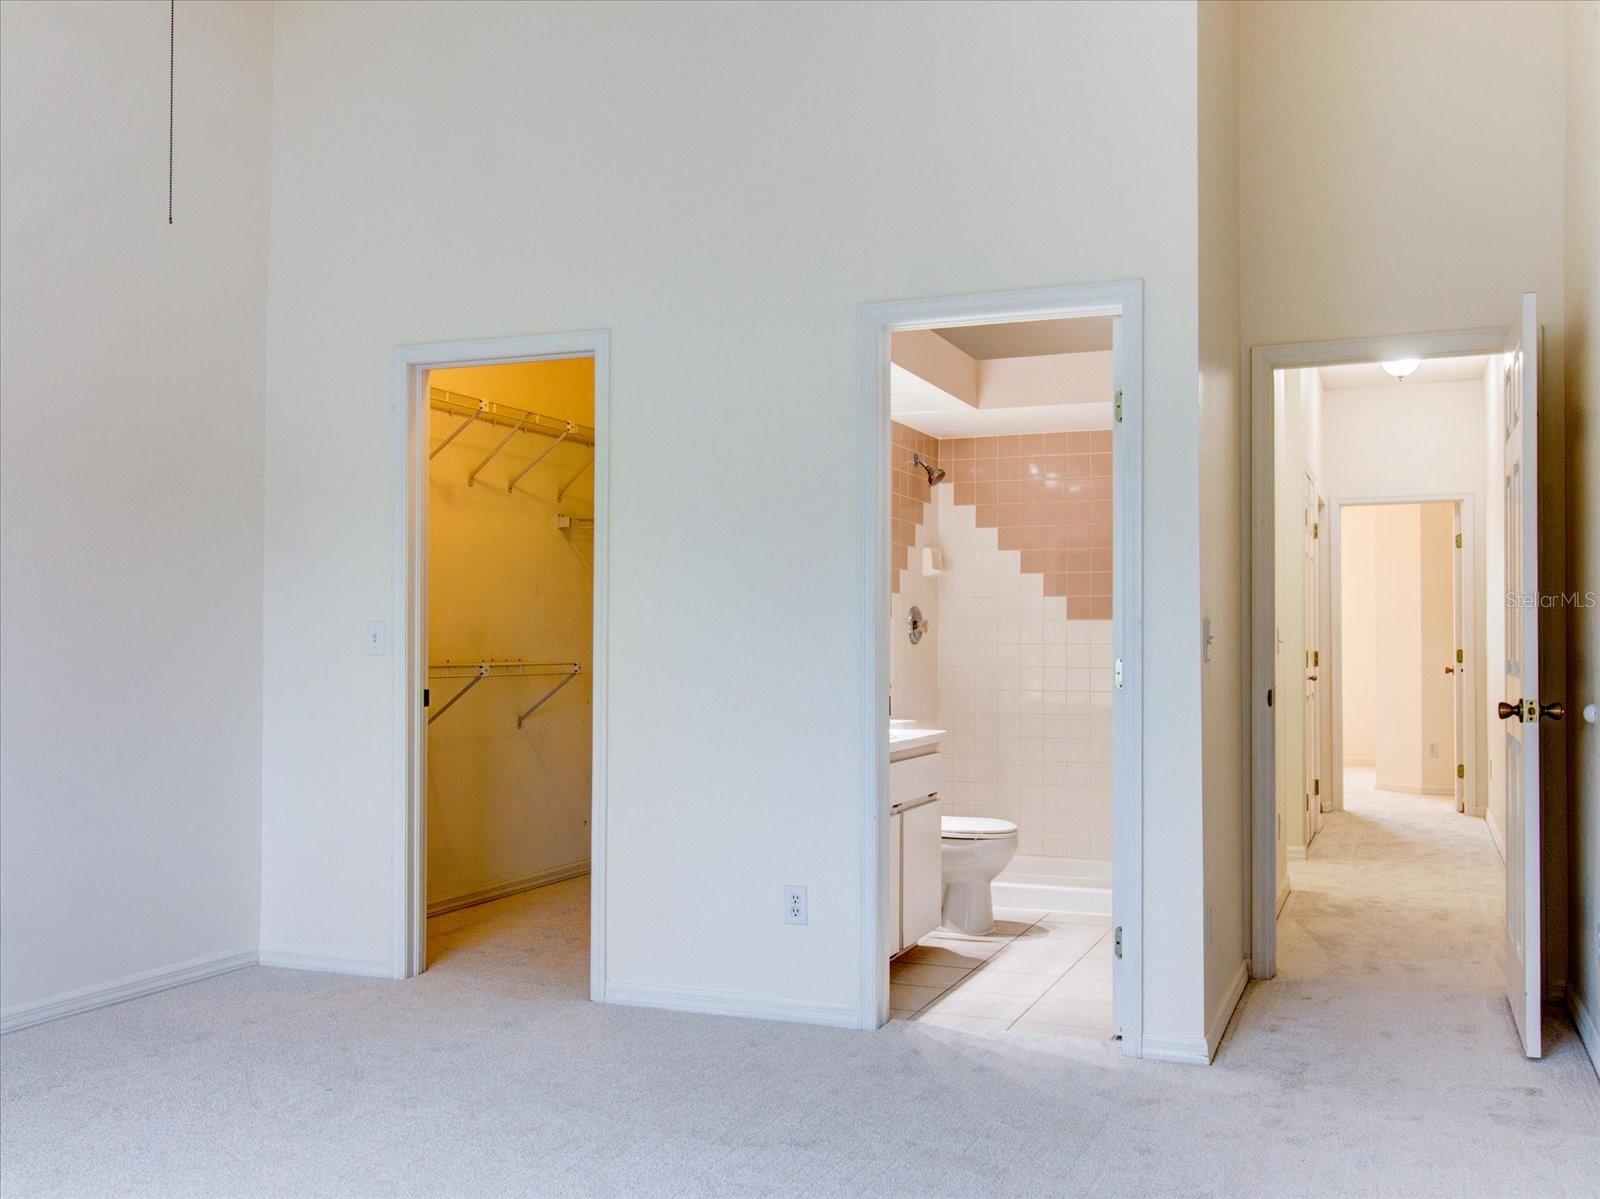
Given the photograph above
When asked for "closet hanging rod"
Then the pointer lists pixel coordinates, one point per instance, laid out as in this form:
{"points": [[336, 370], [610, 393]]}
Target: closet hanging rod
{"points": [[476, 672], [466, 406]]}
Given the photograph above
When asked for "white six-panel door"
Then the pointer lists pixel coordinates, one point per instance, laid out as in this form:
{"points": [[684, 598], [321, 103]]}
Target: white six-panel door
{"points": [[1519, 710]]}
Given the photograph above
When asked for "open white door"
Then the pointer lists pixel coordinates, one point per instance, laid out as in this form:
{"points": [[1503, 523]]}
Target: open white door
{"points": [[1520, 710]]}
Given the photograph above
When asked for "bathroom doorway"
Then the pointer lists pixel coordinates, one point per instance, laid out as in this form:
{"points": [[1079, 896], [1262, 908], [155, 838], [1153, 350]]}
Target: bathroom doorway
{"points": [[503, 666], [1009, 869]]}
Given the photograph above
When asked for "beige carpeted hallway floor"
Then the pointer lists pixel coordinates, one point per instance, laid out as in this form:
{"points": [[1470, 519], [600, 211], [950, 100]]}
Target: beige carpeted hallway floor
{"points": [[1380, 1062]]}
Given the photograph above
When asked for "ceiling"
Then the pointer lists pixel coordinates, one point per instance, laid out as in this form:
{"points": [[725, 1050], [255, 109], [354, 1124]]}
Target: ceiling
{"points": [[1028, 339], [1431, 370]]}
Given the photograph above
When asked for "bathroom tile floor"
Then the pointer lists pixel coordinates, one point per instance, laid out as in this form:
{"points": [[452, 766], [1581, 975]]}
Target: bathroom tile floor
{"points": [[1038, 972]]}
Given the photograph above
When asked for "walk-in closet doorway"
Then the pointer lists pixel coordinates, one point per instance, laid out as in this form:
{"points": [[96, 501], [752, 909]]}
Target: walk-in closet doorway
{"points": [[502, 473]]}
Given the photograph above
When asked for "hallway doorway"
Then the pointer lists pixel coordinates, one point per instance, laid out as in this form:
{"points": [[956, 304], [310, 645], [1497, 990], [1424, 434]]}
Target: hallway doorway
{"points": [[1434, 417]]}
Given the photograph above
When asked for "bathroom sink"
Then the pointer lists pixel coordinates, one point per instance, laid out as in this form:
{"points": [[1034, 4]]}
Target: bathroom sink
{"points": [[908, 737]]}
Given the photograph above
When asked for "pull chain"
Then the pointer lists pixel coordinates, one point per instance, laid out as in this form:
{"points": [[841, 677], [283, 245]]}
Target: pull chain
{"points": [[172, 55]]}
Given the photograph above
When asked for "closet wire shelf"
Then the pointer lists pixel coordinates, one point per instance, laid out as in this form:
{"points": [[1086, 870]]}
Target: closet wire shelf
{"points": [[473, 410], [476, 672]]}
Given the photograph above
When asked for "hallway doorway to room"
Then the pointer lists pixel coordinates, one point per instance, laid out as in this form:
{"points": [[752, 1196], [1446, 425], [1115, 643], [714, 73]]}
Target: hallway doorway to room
{"points": [[1395, 525], [1006, 814], [503, 664]]}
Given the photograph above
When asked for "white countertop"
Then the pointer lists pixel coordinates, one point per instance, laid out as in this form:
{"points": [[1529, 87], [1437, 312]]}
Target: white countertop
{"points": [[905, 739]]}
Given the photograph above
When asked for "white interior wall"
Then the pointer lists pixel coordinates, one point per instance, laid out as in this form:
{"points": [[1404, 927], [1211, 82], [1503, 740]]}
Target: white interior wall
{"points": [[130, 493], [736, 714], [1457, 228], [1582, 338], [1358, 631], [1222, 488]]}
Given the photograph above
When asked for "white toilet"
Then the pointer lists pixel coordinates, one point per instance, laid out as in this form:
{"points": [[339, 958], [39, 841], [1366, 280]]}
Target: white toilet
{"points": [[973, 849]]}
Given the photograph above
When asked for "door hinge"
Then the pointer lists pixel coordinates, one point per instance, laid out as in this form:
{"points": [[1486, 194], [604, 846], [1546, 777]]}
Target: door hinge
{"points": [[1117, 944], [1316, 529], [1461, 770], [1316, 657], [1460, 656], [1116, 407], [424, 697], [1116, 673], [1458, 541], [1316, 786]]}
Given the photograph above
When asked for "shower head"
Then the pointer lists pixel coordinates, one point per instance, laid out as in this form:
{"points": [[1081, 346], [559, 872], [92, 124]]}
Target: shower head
{"points": [[934, 473]]}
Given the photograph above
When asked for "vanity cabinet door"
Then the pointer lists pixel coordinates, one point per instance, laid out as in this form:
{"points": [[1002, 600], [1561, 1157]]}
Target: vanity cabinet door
{"points": [[921, 872], [896, 942]]}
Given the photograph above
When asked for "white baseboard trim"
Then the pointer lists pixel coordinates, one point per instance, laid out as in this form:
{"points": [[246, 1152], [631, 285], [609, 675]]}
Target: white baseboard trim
{"points": [[134, 986], [731, 1003], [286, 958], [1295, 853], [1450, 791], [1588, 1026], [1223, 1016], [1052, 897], [1199, 1051], [1496, 834], [1186, 1051], [1360, 762], [556, 874]]}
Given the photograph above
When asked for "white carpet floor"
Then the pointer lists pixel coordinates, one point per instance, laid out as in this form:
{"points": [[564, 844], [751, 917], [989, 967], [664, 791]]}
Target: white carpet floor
{"points": [[1380, 1062]]}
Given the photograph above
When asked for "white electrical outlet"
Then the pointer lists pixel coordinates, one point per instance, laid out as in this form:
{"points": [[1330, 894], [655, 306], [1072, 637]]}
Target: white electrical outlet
{"points": [[1433, 749], [377, 638], [794, 905]]}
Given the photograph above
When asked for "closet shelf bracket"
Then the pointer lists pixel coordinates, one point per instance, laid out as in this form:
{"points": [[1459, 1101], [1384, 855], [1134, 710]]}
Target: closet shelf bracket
{"points": [[455, 433], [546, 697], [541, 456], [562, 490], [504, 441]]}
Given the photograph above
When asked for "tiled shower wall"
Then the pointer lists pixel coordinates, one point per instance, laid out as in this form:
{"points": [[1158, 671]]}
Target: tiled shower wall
{"points": [[908, 494], [1024, 694], [1049, 497]]}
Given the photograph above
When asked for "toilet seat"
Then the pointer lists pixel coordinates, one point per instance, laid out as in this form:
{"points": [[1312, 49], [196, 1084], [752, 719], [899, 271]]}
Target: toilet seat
{"points": [[974, 828]]}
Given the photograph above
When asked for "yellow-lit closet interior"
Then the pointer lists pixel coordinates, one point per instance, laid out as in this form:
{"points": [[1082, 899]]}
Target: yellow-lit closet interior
{"points": [[510, 622]]}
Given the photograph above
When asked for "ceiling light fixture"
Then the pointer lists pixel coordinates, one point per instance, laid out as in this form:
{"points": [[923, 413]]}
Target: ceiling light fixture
{"points": [[1399, 368]]}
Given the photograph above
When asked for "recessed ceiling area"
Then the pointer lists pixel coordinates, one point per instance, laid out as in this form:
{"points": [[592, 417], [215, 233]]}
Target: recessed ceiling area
{"points": [[1429, 370], [1028, 339]]}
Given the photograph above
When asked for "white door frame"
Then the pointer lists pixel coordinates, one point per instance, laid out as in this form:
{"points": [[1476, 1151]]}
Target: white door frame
{"points": [[1465, 566], [408, 949], [1125, 300], [1261, 852]]}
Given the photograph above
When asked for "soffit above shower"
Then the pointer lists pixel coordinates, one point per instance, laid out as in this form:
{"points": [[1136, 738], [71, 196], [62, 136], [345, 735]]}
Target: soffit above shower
{"points": [[1029, 339], [1049, 376]]}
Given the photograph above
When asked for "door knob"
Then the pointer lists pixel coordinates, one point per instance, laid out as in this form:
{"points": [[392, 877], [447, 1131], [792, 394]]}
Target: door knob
{"points": [[1508, 711], [1449, 670], [1553, 711]]}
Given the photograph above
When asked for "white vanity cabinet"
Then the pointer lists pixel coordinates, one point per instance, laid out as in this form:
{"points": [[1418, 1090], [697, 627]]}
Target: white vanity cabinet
{"points": [[916, 884]]}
